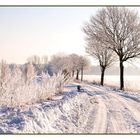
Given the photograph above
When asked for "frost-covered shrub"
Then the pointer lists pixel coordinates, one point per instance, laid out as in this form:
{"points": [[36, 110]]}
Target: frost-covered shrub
{"points": [[16, 90]]}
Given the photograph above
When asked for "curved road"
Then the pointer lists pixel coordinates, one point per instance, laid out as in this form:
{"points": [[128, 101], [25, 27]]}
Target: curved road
{"points": [[111, 111]]}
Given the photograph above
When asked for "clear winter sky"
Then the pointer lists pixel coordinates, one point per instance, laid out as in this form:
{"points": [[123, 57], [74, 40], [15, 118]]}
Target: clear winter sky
{"points": [[42, 31]]}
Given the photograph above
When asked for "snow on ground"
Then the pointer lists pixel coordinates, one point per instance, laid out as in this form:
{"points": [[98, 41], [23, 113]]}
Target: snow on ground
{"points": [[97, 109], [131, 82]]}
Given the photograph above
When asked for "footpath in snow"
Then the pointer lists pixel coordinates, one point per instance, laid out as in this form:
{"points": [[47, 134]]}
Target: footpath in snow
{"points": [[94, 110]]}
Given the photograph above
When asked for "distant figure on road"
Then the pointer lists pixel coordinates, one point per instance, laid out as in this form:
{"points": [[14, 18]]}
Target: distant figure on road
{"points": [[78, 88]]}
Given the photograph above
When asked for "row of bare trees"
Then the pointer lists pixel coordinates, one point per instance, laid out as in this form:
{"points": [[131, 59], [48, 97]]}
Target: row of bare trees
{"points": [[113, 32], [69, 65]]}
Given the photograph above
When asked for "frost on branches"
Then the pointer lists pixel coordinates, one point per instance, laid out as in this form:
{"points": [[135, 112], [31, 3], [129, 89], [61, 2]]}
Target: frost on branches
{"points": [[19, 87]]}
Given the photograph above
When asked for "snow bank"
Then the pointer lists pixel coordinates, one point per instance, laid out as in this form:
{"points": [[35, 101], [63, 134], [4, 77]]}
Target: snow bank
{"points": [[61, 115]]}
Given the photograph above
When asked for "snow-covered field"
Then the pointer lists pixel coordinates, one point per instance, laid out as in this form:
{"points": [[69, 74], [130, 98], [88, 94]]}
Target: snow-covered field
{"points": [[94, 110], [131, 82]]}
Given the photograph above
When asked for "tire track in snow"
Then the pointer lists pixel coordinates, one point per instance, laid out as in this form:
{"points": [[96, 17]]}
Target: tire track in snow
{"points": [[131, 114], [115, 114], [101, 118], [106, 120], [88, 123], [116, 122], [134, 111], [99, 124]]}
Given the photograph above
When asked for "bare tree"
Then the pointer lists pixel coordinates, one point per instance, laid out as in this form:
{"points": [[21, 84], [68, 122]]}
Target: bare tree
{"points": [[120, 28], [58, 63], [44, 59], [30, 72], [38, 62], [34, 60], [74, 63], [84, 63], [44, 63], [105, 57], [4, 72], [78, 63]]}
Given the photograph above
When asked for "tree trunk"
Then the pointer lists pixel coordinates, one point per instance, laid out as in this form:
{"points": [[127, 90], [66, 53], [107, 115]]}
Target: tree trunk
{"points": [[82, 74], [121, 75], [77, 75], [102, 75], [72, 73]]}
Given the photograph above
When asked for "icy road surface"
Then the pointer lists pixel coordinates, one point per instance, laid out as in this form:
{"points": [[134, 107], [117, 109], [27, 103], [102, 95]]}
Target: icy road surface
{"points": [[94, 110]]}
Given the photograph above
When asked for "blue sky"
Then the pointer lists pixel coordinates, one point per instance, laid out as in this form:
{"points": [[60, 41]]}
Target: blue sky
{"points": [[42, 31]]}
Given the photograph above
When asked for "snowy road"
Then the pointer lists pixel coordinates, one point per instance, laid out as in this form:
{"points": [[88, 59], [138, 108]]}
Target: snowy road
{"points": [[114, 112], [97, 109]]}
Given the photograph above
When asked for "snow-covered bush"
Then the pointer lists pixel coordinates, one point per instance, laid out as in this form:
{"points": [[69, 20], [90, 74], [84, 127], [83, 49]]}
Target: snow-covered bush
{"points": [[18, 88]]}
